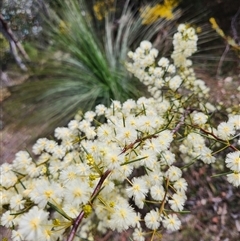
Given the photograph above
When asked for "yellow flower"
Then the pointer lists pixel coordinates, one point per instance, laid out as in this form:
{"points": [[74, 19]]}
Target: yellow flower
{"points": [[216, 27], [229, 40], [87, 210], [102, 8], [62, 27], [152, 14]]}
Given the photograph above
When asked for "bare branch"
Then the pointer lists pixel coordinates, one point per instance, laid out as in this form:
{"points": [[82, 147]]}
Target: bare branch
{"points": [[14, 44], [234, 23], [222, 59], [182, 119]]}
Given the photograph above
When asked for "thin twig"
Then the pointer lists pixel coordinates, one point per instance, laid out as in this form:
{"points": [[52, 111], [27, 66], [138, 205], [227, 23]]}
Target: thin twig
{"points": [[222, 59], [75, 226], [181, 122], [217, 138], [81, 215], [234, 27], [14, 43], [130, 146], [107, 236]]}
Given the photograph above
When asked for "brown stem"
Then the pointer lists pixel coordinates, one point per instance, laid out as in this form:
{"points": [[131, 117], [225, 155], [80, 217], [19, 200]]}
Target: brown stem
{"points": [[99, 185], [81, 215], [181, 122], [164, 198], [217, 138], [75, 226], [130, 146]]}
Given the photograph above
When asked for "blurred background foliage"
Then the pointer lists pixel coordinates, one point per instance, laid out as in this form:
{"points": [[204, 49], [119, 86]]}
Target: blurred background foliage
{"points": [[78, 59]]}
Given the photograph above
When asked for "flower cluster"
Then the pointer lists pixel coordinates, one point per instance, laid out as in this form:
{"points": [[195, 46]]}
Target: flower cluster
{"points": [[134, 138], [178, 77], [185, 44], [125, 172]]}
